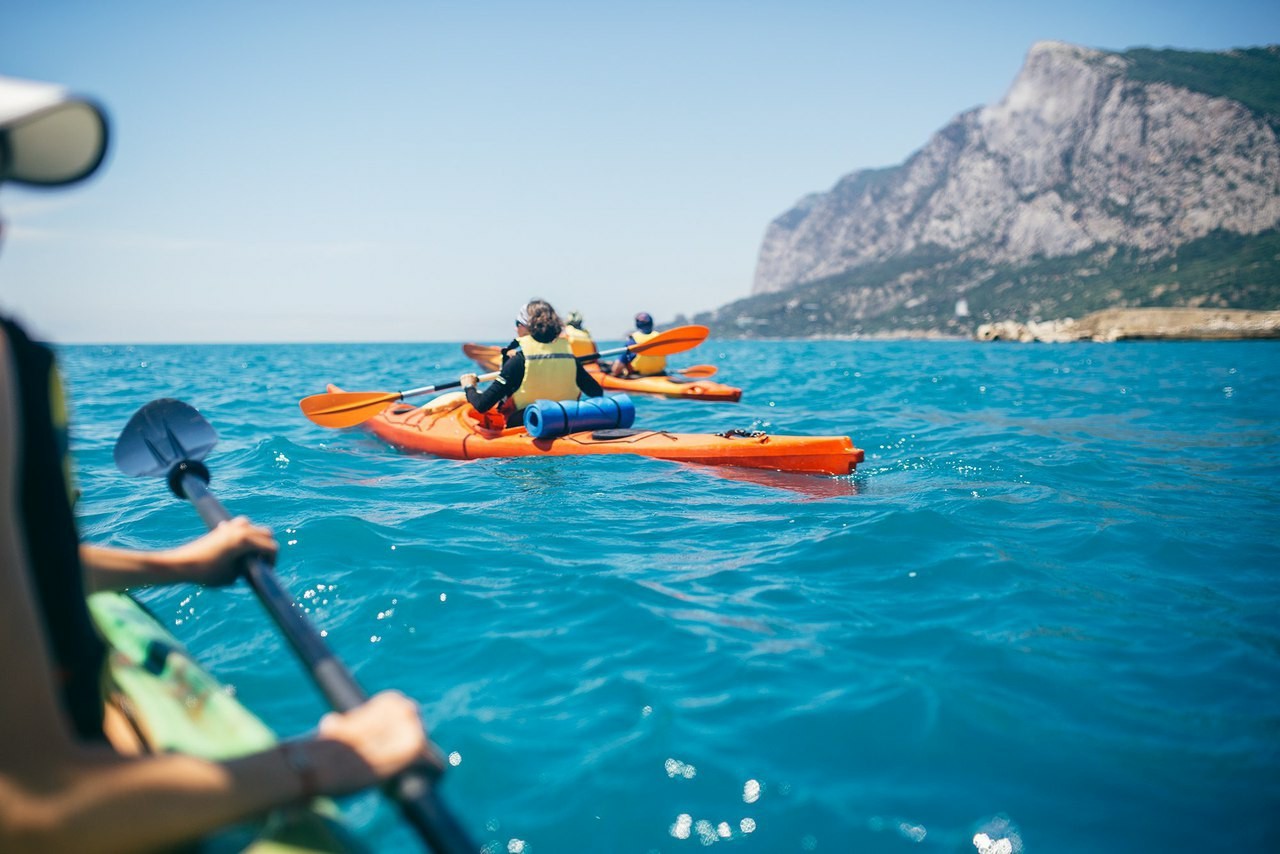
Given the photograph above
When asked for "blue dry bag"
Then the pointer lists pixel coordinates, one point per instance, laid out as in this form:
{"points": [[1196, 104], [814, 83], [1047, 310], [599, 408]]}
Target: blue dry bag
{"points": [[547, 419]]}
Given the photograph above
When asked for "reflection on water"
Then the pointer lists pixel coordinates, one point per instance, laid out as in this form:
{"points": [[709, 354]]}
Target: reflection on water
{"points": [[706, 831], [812, 487]]}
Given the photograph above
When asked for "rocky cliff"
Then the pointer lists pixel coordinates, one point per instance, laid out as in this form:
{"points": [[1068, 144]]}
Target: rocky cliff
{"points": [[1095, 170]]}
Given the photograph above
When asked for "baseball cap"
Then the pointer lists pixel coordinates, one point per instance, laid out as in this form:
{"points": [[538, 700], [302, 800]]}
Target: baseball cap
{"points": [[48, 137], [643, 319]]}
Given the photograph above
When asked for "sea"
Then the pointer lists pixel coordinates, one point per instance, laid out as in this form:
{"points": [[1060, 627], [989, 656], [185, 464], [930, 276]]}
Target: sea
{"points": [[1042, 616]]}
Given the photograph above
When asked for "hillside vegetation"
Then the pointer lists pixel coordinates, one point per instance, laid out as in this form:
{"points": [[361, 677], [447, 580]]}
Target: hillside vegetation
{"points": [[1101, 180], [1250, 75], [1223, 270]]}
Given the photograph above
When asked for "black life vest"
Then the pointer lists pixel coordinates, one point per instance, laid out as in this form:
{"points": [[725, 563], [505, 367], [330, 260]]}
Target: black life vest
{"points": [[52, 542]]}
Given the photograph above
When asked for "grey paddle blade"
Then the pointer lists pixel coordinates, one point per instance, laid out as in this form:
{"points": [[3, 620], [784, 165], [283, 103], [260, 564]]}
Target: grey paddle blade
{"points": [[161, 434]]}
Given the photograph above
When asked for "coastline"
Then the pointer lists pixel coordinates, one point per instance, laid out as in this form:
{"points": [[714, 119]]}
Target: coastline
{"points": [[1106, 326], [1129, 324]]}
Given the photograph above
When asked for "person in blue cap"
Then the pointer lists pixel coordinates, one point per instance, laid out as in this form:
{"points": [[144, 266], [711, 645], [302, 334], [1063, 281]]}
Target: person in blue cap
{"points": [[633, 364], [65, 785]]}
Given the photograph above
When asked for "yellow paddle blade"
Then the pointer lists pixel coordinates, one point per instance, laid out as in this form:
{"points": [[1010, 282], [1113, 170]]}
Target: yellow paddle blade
{"points": [[346, 408]]}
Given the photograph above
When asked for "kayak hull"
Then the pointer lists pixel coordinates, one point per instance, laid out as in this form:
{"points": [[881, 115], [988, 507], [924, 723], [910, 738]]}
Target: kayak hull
{"points": [[490, 359], [451, 430]]}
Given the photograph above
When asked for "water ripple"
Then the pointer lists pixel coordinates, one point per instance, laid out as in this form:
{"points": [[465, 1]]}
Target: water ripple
{"points": [[1041, 611]]}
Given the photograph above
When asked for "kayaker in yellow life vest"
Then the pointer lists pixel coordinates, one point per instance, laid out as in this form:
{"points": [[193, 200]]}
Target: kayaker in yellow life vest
{"points": [[579, 338], [543, 367], [640, 364]]}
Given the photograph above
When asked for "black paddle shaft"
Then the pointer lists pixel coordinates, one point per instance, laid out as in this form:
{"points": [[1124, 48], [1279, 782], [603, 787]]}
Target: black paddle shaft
{"points": [[331, 675], [411, 789]]}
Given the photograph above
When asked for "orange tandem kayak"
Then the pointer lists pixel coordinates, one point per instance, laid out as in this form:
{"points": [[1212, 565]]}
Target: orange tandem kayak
{"points": [[448, 427], [667, 385]]}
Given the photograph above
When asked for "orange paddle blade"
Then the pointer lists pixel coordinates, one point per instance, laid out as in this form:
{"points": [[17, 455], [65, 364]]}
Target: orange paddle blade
{"points": [[346, 408], [698, 372], [675, 340], [486, 356]]}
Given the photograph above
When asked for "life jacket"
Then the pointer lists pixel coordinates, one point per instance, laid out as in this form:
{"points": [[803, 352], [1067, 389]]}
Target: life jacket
{"points": [[579, 340], [550, 372], [644, 364], [49, 530]]}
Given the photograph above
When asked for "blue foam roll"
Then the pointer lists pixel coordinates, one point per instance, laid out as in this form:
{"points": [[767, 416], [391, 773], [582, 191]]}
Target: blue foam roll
{"points": [[547, 419]]}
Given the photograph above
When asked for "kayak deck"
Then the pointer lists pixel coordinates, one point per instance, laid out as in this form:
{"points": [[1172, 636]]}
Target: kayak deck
{"points": [[450, 429], [670, 386], [172, 704]]}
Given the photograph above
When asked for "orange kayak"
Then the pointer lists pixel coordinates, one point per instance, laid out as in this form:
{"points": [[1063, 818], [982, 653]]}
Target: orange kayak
{"points": [[448, 427], [667, 385]]}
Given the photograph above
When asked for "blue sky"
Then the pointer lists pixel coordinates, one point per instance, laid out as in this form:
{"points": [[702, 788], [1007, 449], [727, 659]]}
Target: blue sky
{"points": [[414, 171]]}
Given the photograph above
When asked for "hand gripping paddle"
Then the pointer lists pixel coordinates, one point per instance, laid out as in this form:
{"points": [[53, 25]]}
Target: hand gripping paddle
{"points": [[169, 439]]}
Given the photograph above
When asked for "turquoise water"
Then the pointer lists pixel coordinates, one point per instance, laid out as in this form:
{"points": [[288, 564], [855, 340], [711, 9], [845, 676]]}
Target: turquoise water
{"points": [[1044, 609]]}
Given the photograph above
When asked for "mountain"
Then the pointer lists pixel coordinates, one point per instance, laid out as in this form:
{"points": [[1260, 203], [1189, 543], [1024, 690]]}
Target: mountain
{"points": [[1143, 178]]}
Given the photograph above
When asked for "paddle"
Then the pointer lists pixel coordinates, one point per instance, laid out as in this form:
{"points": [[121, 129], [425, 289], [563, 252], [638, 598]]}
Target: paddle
{"points": [[487, 356], [167, 438], [693, 372], [349, 408]]}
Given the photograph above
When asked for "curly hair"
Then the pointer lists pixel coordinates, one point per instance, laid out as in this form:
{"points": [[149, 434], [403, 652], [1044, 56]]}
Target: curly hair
{"points": [[544, 324]]}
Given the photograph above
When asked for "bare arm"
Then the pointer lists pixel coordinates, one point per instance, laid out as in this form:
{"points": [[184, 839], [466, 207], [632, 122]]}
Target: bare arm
{"points": [[57, 794], [86, 799], [210, 560]]}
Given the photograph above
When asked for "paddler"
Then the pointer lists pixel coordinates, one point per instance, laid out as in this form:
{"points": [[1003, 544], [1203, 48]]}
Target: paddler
{"points": [[580, 339], [63, 785], [633, 364], [540, 367]]}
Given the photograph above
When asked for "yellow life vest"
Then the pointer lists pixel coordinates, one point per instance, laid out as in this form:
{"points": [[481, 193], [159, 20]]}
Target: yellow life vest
{"points": [[644, 364], [579, 340], [550, 372]]}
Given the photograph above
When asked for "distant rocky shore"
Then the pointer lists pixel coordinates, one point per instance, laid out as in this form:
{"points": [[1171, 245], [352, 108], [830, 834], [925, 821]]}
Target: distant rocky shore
{"points": [[1121, 324], [1100, 179]]}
